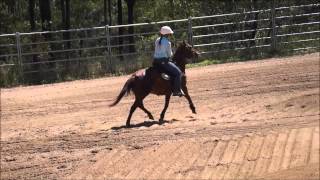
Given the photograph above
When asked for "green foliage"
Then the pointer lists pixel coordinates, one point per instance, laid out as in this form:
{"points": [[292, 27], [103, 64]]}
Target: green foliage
{"points": [[204, 62], [14, 17]]}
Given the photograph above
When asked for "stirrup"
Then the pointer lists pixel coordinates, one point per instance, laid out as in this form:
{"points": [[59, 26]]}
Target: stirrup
{"points": [[165, 76], [179, 93]]}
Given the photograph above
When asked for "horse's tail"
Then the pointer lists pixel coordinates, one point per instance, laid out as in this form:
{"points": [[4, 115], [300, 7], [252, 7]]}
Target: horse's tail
{"points": [[125, 91]]}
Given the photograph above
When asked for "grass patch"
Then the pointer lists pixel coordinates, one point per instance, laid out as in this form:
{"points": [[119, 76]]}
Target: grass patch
{"points": [[205, 62]]}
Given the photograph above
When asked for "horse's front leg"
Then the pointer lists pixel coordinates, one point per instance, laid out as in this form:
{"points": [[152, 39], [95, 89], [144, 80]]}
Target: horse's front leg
{"points": [[141, 106], [185, 90], [166, 104]]}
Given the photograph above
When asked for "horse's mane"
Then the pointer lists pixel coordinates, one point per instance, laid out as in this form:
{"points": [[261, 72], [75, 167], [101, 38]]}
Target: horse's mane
{"points": [[177, 55]]}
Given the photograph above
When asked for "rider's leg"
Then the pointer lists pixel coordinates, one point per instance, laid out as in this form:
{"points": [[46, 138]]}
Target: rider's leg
{"points": [[177, 74]]}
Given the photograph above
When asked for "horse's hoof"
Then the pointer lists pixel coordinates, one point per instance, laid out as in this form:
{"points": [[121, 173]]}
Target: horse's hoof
{"points": [[151, 117], [161, 121], [193, 109], [127, 125]]}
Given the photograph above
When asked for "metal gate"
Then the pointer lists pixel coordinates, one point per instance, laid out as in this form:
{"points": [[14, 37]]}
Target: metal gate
{"points": [[44, 57]]}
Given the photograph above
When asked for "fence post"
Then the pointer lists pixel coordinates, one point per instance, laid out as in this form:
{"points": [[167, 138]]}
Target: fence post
{"points": [[190, 35], [19, 52], [108, 50], [274, 28]]}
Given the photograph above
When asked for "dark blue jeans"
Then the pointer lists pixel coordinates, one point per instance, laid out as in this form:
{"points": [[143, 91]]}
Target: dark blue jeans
{"points": [[172, 70]]}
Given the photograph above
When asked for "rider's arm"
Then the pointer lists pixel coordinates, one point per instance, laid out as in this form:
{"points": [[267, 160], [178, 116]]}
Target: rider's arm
{"points": [[169, 50]]}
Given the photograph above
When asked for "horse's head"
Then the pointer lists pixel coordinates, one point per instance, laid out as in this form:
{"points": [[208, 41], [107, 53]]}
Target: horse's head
{"points": [[184, 52]]}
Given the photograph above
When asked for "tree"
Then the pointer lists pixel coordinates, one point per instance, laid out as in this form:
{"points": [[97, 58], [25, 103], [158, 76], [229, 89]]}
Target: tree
{"points": [[120, 30], [35, 77], [254, 25], [105, 12], [109, 9], [68, 14], [130, 4], [45, 14], [63, 12], [65, 21], [31, 15]]}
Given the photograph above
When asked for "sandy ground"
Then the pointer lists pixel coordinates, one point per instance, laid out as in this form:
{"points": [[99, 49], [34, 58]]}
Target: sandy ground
{"points": [[255, 120]]}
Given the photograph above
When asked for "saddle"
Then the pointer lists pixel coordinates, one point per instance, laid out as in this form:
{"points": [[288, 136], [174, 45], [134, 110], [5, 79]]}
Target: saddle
{"points": [[164, 75], [142, 73]]}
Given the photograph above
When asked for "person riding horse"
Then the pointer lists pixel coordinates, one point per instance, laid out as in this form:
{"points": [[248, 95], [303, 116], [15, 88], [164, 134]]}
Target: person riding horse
{"points": [[162, 56], [150, 80]]}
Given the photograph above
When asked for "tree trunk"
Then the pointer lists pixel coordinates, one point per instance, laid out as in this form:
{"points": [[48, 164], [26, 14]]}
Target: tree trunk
{"points": [[35, 78], [254, 25], [109, 9], [45, 15], [68, 22], [172, 9], [65, 20], [130, 5], [63, 13], [120, 30], [31, 14], [105, 12]]}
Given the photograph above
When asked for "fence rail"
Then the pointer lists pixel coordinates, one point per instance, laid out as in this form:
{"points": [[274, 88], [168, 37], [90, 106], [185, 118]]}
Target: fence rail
{"points": [[90, 52]]}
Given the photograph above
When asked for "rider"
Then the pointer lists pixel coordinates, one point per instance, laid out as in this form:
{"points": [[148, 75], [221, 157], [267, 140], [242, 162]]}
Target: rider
{"points": [[162, 55]]}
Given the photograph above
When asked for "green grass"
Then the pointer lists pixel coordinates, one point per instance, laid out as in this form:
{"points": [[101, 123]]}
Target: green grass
{"points": [[205, 62]]}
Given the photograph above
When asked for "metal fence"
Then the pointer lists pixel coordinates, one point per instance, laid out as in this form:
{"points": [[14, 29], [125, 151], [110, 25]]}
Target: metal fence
{"points": [[41, 57]]}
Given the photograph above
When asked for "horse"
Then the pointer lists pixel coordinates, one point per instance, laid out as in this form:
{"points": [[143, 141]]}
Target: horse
{"points": [[151, 80]]}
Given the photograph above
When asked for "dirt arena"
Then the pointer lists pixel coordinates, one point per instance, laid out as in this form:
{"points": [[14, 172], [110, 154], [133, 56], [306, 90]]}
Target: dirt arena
{"points": [[255, 120]]}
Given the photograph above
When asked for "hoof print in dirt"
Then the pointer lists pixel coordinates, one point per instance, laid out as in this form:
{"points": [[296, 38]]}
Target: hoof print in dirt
{"points": [[213, 123], [136, 147], [109, 148], [268, 106], [94, 151], [9, 159], [62, 167]]}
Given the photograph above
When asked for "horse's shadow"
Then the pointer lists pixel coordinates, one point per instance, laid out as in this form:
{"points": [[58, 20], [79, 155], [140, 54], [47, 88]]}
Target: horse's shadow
{"points": [[147, 123]]}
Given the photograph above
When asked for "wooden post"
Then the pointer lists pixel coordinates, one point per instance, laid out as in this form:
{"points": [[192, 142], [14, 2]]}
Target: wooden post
{"points": [[19, 52], [274, 28], [190, 35], [108, 50]]}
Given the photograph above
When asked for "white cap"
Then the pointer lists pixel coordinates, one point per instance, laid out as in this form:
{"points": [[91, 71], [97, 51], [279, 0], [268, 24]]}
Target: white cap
{"points": [[166, 30]]}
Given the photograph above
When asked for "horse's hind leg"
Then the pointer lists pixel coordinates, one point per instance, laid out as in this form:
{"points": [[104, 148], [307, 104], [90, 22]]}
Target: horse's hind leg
{"points": [[137, 103], [166, 104], [132, 109], [185, 90]]}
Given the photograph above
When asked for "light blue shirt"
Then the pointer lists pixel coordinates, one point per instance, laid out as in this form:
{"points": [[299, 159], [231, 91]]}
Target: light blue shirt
{"points": [[162, 50]]}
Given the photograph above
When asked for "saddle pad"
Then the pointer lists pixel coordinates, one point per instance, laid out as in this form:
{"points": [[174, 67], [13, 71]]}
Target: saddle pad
{"points": [[141, 72]]}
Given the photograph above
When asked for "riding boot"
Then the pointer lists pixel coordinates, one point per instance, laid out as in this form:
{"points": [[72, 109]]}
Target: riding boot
{"points": [[178, 93], [177, 87]]}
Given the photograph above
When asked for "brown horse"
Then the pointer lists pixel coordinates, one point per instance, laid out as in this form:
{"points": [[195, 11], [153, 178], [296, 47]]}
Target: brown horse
{"points": [[144, 82]]}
